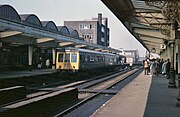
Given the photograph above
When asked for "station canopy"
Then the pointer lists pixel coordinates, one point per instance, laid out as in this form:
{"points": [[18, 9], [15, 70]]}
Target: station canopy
{"points": [[27, 29], [149, 21]]}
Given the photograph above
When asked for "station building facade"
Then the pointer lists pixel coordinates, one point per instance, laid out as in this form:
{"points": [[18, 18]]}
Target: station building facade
{"points": [[93, 30]]}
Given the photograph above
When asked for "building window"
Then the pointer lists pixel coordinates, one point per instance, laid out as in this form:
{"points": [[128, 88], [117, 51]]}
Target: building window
{"points": [[102, 39], [92, 26], [86, 26], [91, 41], [89, 36], [80, 26], [102, 29]]}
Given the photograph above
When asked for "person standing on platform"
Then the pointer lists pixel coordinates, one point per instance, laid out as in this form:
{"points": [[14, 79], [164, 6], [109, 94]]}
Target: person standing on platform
{"points": [[160, 65], [146, 66], [130, 65], [168, 65], [157, 68], [40, 63], [153, 67], [164, 68], [47, 63]]}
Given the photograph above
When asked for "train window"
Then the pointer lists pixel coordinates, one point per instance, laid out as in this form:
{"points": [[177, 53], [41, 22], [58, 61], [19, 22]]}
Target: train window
{"points": [[97, 58], [91, 58], [74, 58], [60, 57], [100, 59], [115, 59], [67, 58], [82, 58], [88, 58]]}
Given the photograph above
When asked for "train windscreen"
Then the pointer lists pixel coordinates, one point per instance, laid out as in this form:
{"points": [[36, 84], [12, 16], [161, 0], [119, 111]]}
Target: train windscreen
{"points": [[73, 58], [60, 58]]}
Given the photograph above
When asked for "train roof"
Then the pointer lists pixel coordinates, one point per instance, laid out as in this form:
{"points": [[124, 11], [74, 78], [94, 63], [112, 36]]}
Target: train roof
{"points": [[123, 56], [91, 51], [85, 51]]}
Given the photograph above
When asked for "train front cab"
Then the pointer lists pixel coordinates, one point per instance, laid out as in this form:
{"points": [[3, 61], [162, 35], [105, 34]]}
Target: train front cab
{"points": [[67, 61]]}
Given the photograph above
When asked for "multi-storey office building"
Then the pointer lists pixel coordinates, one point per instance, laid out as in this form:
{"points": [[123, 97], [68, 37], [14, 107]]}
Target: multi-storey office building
{"points": [[94, 30]]}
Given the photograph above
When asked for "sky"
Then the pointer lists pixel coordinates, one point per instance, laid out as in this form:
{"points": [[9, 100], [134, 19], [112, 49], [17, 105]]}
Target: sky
{"points": [[59, 11]]}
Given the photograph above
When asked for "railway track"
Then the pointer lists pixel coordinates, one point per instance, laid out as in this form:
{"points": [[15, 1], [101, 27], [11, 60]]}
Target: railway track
{"points": [[88, 89], [95, 90]]}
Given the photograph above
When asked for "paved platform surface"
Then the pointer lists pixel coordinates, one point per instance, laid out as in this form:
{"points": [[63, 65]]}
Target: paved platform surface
{"points": [[34, 72], [146, 96]]}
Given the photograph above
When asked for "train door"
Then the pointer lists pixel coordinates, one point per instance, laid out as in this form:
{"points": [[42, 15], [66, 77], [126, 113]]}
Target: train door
{"points": [[67, 64]]}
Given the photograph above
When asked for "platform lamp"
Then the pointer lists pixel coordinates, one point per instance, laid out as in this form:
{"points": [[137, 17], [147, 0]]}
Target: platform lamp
{"points": [[172, 83]]}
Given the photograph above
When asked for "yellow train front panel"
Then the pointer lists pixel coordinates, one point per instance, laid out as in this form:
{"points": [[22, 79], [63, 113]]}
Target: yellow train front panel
{"points": [[67, 61]]}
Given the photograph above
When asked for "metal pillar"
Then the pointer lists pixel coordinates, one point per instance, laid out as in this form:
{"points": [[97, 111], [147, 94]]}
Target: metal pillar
{"points": [[53, 58], [178, 97], [172, 83], [30, 52], [179, 62]]}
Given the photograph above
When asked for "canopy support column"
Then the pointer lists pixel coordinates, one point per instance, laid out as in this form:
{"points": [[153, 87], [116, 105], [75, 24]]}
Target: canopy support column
{"points": [[172, 82], [30, 52], [53, 58]]}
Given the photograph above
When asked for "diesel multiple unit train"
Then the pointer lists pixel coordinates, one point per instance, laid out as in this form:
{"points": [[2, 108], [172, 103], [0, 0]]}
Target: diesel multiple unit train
{"points": [[73, 59]]}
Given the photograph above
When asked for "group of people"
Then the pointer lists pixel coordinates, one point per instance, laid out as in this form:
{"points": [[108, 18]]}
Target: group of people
{"points": [[157, 66], [47, 63]]}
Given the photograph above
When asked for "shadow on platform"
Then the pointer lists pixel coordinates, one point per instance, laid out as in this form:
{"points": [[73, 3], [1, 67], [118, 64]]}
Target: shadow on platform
{"points": [[161, 99]]}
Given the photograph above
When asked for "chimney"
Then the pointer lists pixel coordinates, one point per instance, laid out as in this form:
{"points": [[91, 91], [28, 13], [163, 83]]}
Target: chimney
{"points": [[100, 18]]}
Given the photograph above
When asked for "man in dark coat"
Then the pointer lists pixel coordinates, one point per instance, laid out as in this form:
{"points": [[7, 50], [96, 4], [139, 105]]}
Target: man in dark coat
{"points": [[168, 65]]}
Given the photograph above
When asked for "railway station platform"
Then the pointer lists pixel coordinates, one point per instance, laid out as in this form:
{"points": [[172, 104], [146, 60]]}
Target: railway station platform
{"points": [[145, 96], [25, 73]]}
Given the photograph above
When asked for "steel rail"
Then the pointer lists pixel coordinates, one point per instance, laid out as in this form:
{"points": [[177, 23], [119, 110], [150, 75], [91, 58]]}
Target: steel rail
{"points": [[92, 96], [64, 86]]}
